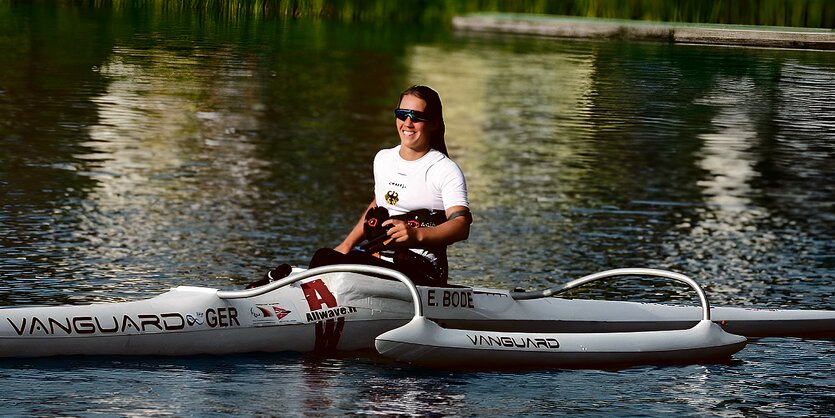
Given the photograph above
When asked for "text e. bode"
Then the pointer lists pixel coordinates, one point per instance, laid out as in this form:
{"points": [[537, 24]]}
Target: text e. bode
{"points": [[450, 298]]}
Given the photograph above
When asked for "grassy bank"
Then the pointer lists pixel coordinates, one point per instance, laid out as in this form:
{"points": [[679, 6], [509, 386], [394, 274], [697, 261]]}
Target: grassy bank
{"points": [[799, 13]]}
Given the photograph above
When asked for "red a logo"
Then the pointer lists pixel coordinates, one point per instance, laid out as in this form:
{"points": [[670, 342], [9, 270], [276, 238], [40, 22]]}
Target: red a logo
{"points": [[317, 294], [328, 332]]}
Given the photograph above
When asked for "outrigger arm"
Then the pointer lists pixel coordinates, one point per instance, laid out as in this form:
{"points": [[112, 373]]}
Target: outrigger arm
{"points": [[553, 291]]}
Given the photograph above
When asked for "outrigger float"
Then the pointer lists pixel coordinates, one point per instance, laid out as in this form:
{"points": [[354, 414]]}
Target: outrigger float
{"points": [[356, 307]]}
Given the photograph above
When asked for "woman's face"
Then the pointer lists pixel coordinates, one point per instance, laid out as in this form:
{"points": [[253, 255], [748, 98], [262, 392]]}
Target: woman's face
{"points": [[414, 135]]}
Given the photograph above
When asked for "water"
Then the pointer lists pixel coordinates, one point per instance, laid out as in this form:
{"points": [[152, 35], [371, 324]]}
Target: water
{"points": [[143, 150]]}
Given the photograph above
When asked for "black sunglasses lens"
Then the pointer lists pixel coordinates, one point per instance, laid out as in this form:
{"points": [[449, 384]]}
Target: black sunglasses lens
{"points": [[416, 116]]}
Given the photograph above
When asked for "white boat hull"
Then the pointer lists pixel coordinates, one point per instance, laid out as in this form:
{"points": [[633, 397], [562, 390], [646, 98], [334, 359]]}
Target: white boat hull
{"points": [[193, 321], [344, 311]]}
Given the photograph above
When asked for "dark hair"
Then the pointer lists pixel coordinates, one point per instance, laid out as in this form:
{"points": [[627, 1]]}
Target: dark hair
{"points": [[435, 111]]}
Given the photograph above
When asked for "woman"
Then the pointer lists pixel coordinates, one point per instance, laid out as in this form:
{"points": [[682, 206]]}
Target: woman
{"points": [[420, 201]]}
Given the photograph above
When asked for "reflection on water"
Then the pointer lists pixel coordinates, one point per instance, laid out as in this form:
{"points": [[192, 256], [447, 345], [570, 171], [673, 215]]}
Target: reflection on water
{"points": [[199, 162], [582, 156], [142, 150], [206, 162], [516, 123], [161, 152], [727, 231], [805, 122], [775, 376], [728, 165]]}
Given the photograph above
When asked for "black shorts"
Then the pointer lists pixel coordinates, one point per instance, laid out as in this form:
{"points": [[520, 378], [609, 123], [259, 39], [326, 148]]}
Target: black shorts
{"points": [[420, 270]]}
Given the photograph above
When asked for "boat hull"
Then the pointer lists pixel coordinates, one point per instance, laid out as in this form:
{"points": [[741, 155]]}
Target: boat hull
{"points": [[194, 321], [342, 312]]}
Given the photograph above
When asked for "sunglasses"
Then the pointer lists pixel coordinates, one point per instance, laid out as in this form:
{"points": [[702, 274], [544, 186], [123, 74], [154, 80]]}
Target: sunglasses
{"points": [[415, 115]]}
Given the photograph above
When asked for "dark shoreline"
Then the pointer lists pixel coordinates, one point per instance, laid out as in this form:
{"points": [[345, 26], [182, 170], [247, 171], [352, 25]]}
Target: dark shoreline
{"points": [[711, 34]]}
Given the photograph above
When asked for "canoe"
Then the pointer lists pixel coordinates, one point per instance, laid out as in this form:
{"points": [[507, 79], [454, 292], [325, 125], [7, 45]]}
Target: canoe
{"points": [[353, 307]]}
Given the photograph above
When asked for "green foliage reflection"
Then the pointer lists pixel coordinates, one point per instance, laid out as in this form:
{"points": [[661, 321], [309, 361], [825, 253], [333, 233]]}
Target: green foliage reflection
{"points": [[801, 13]]}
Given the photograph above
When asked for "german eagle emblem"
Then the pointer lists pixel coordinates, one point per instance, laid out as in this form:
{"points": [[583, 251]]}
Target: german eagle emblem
{"points": [[391, 198]]}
